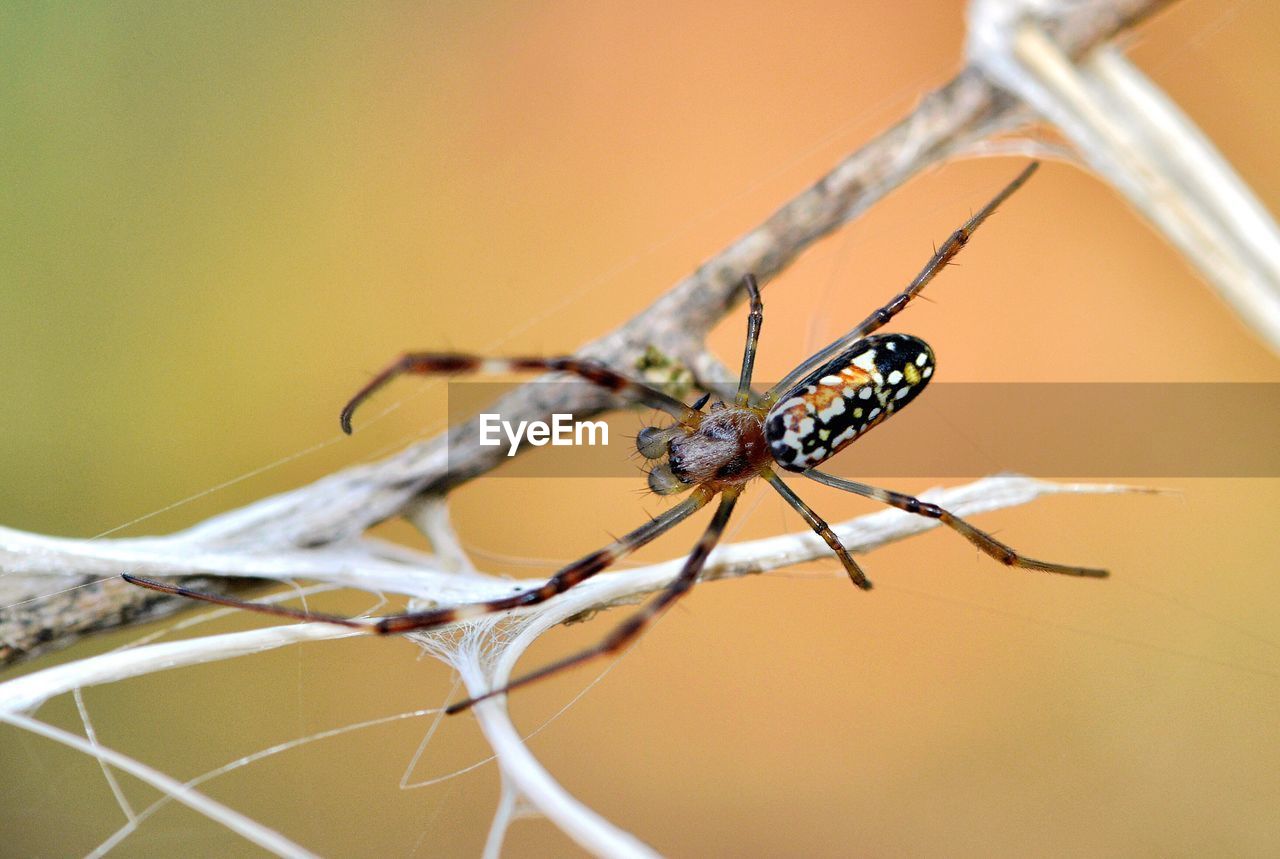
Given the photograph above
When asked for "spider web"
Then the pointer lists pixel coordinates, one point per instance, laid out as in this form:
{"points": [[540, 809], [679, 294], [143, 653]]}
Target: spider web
{"points": [[479, 651], [483, 652]]}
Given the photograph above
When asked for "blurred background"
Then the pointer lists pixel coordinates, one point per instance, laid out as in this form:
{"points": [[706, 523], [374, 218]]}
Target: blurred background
{"points": [[216, 220]]}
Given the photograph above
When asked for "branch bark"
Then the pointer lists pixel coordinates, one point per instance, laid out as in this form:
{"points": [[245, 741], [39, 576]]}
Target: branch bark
{"points": [[317, 531], [334, 511]]}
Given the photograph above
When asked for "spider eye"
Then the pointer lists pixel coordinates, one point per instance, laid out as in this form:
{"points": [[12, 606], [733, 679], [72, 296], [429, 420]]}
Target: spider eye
{"points": [[653, 442], [663, 482]]}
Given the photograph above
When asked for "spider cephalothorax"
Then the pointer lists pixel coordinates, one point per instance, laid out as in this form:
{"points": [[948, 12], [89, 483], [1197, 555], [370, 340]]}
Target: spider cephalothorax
{"points": [[727, 448], [820, 407]]}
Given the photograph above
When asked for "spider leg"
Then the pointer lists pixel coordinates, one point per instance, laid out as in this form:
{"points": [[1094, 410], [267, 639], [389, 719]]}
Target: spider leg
{"points": [[940, 259], [754, 319], [449, 363], [822, 529], [984, 541], [634, 625], [578, 571]]}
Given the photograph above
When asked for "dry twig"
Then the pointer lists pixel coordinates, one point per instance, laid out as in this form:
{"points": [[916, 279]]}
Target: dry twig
{"points": [[1029, 62], [55, 595]]}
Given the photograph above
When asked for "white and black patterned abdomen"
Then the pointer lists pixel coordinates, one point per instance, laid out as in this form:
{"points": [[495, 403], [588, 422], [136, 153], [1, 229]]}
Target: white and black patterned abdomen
{"points": [[846, 397]]}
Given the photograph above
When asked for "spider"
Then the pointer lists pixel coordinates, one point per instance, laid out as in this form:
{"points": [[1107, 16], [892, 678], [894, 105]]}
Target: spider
{"points": [[818, 409]]}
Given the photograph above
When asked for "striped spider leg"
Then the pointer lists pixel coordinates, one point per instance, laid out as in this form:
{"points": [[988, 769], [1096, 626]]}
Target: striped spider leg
{"points": [[817, 410], [857, 382], [569, 576], [449, 363], [941, 258], [984, 541]]}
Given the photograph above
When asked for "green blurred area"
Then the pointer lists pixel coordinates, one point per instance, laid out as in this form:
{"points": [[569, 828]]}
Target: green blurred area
{"points": [[187, 197]]}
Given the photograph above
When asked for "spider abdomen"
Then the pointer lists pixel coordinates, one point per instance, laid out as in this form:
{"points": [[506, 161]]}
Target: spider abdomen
{"points": [[845, 397]]}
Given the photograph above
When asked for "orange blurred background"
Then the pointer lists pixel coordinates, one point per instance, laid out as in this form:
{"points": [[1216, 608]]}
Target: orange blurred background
{"points": [[217, 219]]}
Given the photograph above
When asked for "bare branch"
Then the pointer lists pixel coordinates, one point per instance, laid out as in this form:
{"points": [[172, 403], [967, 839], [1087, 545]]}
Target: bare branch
{"points": [[1134, 136], [1018, 49], [25, 694], [946, 122], [337, 509]]}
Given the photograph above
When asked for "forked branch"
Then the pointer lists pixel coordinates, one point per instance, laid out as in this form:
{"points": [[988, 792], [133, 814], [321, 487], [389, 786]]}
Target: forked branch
{"points": [[317, 531], [951, 121]]}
